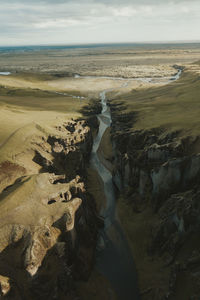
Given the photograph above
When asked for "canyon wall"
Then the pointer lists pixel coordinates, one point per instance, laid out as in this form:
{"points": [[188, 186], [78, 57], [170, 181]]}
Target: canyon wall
{"points": [[157, 174], [48, 221]]}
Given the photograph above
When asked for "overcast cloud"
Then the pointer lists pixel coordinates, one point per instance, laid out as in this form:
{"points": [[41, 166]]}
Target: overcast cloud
{"points": [[26, 22]]}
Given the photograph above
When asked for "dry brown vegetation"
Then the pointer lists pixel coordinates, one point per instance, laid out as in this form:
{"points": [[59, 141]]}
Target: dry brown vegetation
{"points": [[175, 106]]}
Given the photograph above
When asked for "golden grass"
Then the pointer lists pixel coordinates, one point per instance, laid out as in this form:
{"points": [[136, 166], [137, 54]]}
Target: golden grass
{"points": [[27, 116], [174, 107], [17, 112], [24, 101], [32, 83], [13, 119]]}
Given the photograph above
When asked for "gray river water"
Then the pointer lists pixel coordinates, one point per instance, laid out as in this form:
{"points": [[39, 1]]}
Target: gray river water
{"points": [[5, 73], [114, 257]]}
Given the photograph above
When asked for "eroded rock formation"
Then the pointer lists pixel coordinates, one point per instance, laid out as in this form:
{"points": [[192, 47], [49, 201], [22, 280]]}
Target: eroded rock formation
{"points": [[159, 171], [48, 222]]}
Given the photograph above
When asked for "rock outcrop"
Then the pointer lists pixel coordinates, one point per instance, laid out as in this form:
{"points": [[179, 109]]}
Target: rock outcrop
{"points": [[48, 222], [160, 171]]}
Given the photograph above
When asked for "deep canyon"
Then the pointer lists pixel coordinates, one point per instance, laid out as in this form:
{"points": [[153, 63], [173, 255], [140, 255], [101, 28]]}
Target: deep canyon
{"points": [[99, 177]]}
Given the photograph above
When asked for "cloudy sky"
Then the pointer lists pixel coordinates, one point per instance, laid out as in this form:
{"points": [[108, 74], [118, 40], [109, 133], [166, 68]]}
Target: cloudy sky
{"points": [[27, 22]]}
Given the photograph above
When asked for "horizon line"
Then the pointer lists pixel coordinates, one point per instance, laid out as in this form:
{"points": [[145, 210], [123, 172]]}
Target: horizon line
{"points": [[106, 43]]}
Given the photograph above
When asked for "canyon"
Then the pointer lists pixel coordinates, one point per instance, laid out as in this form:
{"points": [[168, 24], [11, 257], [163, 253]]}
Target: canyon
{"points": [[99, 178]]}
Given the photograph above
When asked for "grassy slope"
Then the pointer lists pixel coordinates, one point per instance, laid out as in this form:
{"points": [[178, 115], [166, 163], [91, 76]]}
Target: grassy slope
{"points": [[27, 115], [173, 107], [36, 82], [22, 106]]}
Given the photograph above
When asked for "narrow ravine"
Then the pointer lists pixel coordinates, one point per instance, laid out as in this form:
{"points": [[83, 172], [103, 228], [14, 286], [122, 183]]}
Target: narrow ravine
{"points": [[114, 258]]}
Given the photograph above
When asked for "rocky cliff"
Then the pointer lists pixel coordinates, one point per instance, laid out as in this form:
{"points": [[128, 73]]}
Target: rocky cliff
{"points": [[48, 222], [157, 173]]}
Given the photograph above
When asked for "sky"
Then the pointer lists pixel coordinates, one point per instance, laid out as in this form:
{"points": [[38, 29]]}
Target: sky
{"points": [[36, 22]]}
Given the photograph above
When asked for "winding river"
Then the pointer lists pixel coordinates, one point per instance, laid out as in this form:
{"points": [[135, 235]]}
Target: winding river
{"points": [[114, 257]]}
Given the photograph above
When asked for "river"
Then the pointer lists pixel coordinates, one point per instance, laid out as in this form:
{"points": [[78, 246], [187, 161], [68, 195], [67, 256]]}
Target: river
{"points": [[5, 73], [114, 257]]}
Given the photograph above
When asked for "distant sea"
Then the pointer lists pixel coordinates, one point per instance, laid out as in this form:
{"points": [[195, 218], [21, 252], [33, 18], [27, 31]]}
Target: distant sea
{"points": [[114, 45]]}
